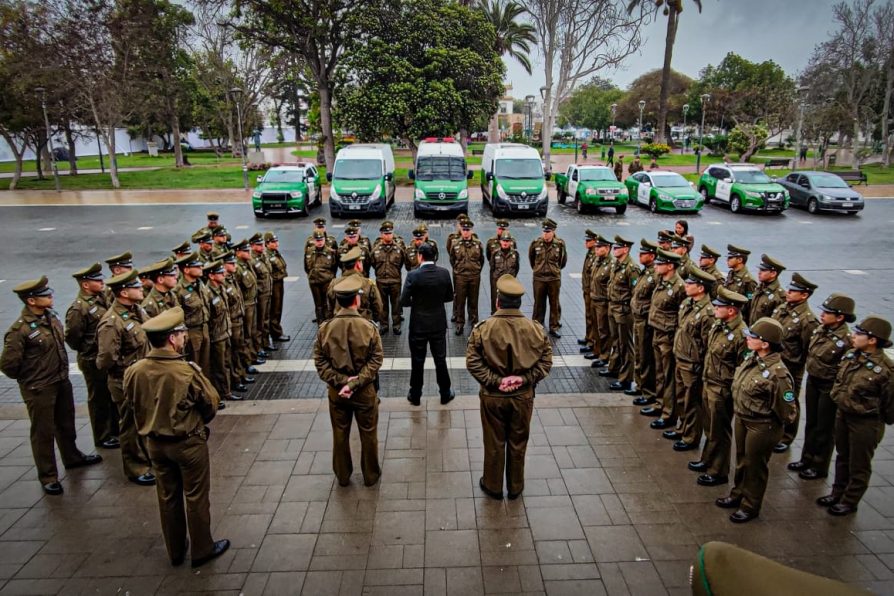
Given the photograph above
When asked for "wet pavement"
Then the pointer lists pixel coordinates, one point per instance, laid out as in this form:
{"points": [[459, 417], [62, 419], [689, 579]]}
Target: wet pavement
{"points": [[608, 506]]}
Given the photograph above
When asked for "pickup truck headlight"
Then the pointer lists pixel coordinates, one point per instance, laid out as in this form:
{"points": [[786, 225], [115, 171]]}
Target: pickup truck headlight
{"points": [[592, 191], [256, 195], [296, 194], [420, 194]]}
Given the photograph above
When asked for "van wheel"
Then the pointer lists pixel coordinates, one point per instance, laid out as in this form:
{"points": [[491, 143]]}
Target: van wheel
{"points": [[333, 212], [735, 204], [415, 212]]}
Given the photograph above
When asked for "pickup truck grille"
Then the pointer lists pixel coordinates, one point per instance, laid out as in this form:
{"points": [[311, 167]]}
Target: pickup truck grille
{"points": [[608, 191], [275, 197]]}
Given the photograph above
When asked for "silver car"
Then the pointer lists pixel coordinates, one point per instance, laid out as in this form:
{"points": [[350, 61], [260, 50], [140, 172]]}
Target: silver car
{"points": [[821, 191]]}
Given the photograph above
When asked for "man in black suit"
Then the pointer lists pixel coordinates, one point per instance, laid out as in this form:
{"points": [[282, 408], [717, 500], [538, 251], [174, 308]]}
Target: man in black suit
{"points": [[426, 289]]}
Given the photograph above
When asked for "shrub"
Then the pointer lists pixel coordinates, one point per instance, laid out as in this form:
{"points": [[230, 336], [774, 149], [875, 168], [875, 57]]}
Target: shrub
{"points": [[655, 150]]}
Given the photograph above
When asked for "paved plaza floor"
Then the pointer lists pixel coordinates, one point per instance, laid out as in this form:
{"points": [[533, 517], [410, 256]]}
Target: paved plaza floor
{"points": [[608, 506]]}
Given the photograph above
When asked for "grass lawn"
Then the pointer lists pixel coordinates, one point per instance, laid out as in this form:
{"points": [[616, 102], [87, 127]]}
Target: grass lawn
{"points": [[134, 160]]}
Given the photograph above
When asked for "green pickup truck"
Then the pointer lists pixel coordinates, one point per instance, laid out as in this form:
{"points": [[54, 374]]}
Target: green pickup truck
{"points": [[287, 190], [591, 187]]}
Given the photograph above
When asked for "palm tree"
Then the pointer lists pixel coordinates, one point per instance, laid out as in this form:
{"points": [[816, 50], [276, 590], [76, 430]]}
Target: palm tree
{"points": [[514, 38], [672, 10]]}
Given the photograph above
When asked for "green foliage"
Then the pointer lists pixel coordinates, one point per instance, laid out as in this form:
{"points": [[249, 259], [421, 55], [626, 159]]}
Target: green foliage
{"points": [[655, 150], [590, 106], [716, 144], [647, 87], [746, 139]]}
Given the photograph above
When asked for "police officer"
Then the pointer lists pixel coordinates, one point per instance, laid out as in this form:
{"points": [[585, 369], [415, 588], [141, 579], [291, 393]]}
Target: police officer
{"points": [[320, 265], [624, 277], [763, 398], [348, 354], [602, 270], [361, 239], [173, 401], [799, 323], [34, 355], [663, 318], [206, 246], [81, 320], [690, 345], [220, 236], [467, 260], [239, 377], [864, 394], [508, 355], [725, 351], [193, 298], [547, 256], [493, 244], [738, 279], [248, 284], [161, 297], [395, 237], [681, 246], [370, 300], [457, 233], [590, 339], [121, 342], [219, 330], [503, 261], [663, 239], [280, 272], [640, 303], [352, 239], [264, 273], [707, 262], [213, 221], [118, 264], [320, 226], [829, 343], [181, 250], [420, 236], [769, 294], [387, 260]]}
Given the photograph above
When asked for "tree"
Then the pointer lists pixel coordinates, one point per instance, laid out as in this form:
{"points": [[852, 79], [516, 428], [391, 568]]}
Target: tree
{"points": [[672, 10], [589, 105], [884, 34], [513, 38], [423, 68], [578, 39], [646, 88], [746, 139]]}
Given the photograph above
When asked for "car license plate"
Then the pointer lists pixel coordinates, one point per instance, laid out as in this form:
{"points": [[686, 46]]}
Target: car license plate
{"points": [[443, 207], [276, 206], [354, 207], [523, 206], [685, 203]]}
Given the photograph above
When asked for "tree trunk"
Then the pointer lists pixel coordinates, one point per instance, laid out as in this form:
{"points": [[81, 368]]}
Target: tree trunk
{"points": [[546, 130], [669, 40], [175, 127], [886, 111], [326, 121], [113, 157], [72, 156], [231, 136], [20, 158], [493, 129], [463, 138]]}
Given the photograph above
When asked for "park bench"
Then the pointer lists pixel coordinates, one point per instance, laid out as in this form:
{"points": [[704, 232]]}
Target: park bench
{"points": [[477, 151], [777, 162], [853, 176]]}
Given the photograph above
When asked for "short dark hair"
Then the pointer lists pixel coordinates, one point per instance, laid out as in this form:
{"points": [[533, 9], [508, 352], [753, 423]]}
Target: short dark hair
{"points": [[345, 300], [426, 251], [158, 340], [347, 265], [509, 301]]}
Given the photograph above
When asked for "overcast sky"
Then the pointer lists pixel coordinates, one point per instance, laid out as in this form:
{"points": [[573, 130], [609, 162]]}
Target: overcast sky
{"points": [[781, 30]]}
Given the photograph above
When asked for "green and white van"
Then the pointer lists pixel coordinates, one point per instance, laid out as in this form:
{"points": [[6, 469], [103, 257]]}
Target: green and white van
{"points": [[439, 178], [362, 180], [513, 179]]}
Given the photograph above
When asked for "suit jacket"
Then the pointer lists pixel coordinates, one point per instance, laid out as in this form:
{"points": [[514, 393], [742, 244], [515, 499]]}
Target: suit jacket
{"points": [[426, 290]]}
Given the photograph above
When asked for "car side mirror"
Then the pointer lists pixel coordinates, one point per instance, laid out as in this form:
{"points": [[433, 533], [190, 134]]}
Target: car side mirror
{"points": [[411, 174], [547, 176], [329, 176], [489, 176], [389, 176], [468, 174], [260, 178]]}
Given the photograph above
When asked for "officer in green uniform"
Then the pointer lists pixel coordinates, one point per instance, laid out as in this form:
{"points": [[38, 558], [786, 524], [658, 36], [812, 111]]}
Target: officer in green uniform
{"points": [[206, 246], [547, 256], [505, 260], [361, 239], [248, 284], [493, 244], [738, 279], [763, 399], [220, 372], [388, 260], [681, 246], [799, 323], [347, 355], [161, 297], [352, 239], [620, 292], [690, 346], [280, 272], [707, 261], [590, 338], [640, 303], [118, 264], [508, 355], [121, 342], [467, 260], [264, 272], [34, 355], [602, 271], [239, 377], [725, 351], [664, 239], [830, 341], [320, 265], [457, 233], [864, 394], [193, 298], [220, 235], [351, 263], [320, 226], [664, 319], [173, 401], [769, 294], [81, 321], [420, 236], [181, 250]]}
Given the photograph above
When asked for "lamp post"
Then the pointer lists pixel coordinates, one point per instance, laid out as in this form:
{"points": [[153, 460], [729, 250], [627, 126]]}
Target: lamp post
{"points": [[801, 92], [614, 108], [639, 140], [236, 92], [706, 97], [42, 92], [529, 104], [685, 112]]}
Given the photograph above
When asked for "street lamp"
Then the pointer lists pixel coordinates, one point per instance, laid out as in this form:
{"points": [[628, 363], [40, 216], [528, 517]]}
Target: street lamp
{"points": [[529, 104], [706, 97], [42, 92], [614, 107], [236, 92], [639, 140], [685, 111], [802, 90]]}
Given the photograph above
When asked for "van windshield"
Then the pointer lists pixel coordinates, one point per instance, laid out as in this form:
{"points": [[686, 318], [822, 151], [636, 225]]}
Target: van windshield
{"points": [[357, 169], [440, 168], [518, 168]]}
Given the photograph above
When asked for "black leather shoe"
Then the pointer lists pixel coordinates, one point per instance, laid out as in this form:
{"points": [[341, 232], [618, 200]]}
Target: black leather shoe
{"points": [[449, 398], [842, 509], [384, 329], [258, 361], [53, 488], [89, 460], [583, 342], [697, 466], [598, 363], [682, 445], [112, 443], [650, 411], [232, 397], [780, 448], [608, 373], [179, 560], [728, 502], [827, 501], [248, 380], [643, 401], [489, 493], [458, 330], [592, 356], [396, 331], [513, 496], [414, 400], [708, 480], [586, 350], [796, 466], [661, 423], [811, 474], [222, 406], [619, 386], [147, 479], [344, 482], [241, 388], [250, 370], [262, 354], [282, 338], [555, 334], [220, 547], [633, 392], [453, 319], [270, 348], [741, 517], [671, 435]]}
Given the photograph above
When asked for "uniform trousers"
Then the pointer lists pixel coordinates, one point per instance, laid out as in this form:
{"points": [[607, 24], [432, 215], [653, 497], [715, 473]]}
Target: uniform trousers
{"points": [[390, 293], [791, 428], [276, 304], [102, 410], [717, 400], [819, 426], [644, 360], [665, 393], [466, 289], [198, 347], [755, 439], [688, 386], [603, 328], [543, 291], [624, 342], [220, 367], [856, 438], [506, 424], [364, 407], [133, 453], [52, 414]]}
